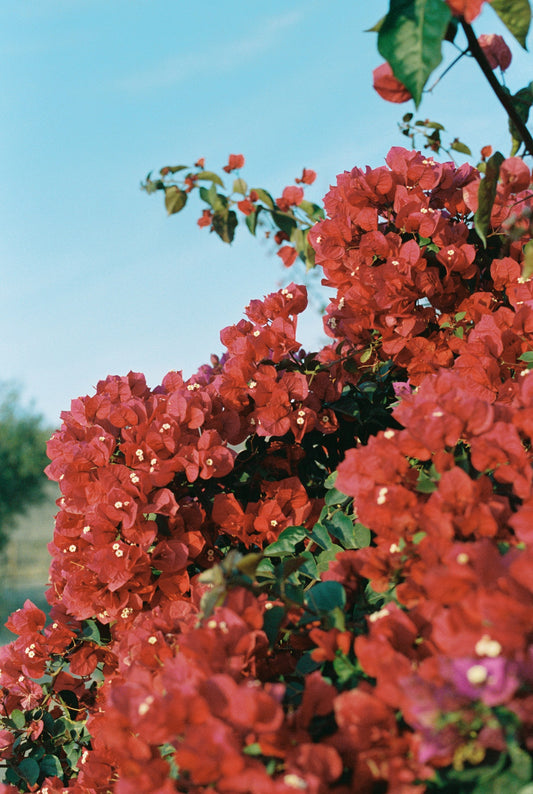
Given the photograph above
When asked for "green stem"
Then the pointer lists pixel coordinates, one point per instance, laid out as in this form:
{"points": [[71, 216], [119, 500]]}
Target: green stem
{"points": [[504, 97]]}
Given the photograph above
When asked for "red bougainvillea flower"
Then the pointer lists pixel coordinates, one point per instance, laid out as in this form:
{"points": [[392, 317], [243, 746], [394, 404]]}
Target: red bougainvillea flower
{"points": [[388, 86], [291, 197], [495, 50], [469, 9], [235, 161], [205, 220], [307, 178], [287, 255]]}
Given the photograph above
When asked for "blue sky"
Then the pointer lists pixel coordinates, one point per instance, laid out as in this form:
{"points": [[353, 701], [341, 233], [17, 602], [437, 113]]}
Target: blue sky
{"points": [[96, 279]]}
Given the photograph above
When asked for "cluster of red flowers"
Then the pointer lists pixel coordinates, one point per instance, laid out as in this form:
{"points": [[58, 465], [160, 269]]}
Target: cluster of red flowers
{"points": [[305, 571]]}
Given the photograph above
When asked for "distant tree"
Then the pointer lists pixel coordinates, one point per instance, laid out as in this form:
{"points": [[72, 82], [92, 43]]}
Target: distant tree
{"points": [[23, 439]]}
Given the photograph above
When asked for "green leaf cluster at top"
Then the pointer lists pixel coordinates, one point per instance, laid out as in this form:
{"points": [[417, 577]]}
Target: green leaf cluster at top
{"points": [[411, 34]]}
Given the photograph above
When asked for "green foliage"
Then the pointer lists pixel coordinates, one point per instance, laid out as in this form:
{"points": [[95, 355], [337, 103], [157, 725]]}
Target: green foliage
{"points": [[23, 453], [410, 40], [487, 194], [516, 16]]}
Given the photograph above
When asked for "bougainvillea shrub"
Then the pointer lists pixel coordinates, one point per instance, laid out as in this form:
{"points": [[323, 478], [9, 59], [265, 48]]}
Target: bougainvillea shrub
{"points": [[306, 571]]}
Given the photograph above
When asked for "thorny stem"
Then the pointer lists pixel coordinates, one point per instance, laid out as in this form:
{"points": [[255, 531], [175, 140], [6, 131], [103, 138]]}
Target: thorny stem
{"points": [[504, 98]]}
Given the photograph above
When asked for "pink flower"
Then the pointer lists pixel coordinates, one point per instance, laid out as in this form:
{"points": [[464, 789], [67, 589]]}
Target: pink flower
{"points": [[495, 50]]}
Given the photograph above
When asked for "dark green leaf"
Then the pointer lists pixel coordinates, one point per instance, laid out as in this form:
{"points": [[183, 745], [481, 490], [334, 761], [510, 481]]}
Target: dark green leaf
{"points": [[486, 195], [50, 766], [334, 497], [410, 40], [91, 631], [309, 567], [320, 536], [516, 16], [175, 199], [407, 117], [28, 769], [210, 176], [284, 222], [324, 597], [341, 527], [286, 543], [224, 223], [272, 620], [522, 101]]}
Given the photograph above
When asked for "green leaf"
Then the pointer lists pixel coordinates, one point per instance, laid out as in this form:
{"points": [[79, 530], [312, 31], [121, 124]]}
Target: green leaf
{"points": [[527, 264], [173, 169], [272, 620], [175, 199], [486, 195], [224, 223], [320, 536], [286, 543], [410, 40], [240, 186], [325, 557], [457, 146], [251, 220], [334, 497], [28, 769], [362, 536], [265, 197], [324, 597], [18, 717], [516, 16], [522, 101], [527, 357], [341, 527], [210, 176], [313, 211], [309, 567], [91, 631], [377, 27], [284, 222], [344, 668], [50, 766]]}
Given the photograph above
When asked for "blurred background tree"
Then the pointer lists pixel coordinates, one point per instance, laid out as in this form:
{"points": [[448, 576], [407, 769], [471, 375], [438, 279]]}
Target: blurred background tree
{"points": [[23, 438]]}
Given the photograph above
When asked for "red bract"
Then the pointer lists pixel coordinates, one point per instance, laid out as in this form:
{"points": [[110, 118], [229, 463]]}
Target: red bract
{"points": [[388, 86], [495, 50], [305, 571], [235, 161], [469, 9]]}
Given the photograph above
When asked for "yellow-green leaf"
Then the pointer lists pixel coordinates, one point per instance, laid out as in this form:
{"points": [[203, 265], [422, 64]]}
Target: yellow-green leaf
{"points": [[516, 16], [175, 199]]}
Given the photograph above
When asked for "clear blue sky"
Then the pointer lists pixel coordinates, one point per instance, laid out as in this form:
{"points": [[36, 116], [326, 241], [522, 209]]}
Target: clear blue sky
{"points": [[96, 280]]}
